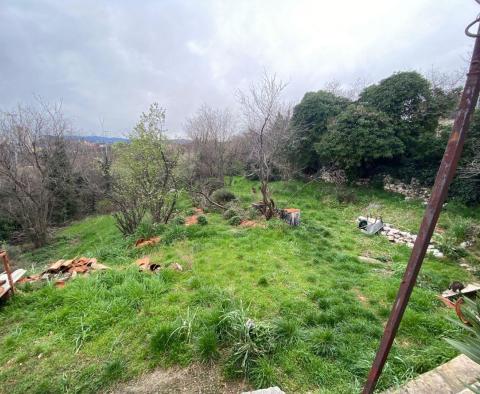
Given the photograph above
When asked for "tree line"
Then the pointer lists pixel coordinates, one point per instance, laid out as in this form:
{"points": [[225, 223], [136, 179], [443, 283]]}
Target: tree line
{"points": [[397, 127]]}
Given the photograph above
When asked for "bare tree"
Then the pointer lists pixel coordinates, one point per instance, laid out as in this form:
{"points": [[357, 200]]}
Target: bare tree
{"points": [[30, 139], [350, 91], [266, 120], [210, 131]]}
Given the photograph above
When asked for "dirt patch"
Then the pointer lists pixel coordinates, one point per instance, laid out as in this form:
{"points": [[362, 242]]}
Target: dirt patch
{"points": [[251, 223], [190, 220], [363, 300], [197, 378], [140, 243]]}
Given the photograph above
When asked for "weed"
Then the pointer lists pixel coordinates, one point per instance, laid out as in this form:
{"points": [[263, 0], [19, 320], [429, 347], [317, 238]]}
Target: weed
{"points": [[207, 346], [230, 213], [173, 234], [287, 331], [178, 220], [163, 338], [82, 335], [113, 370], [262, 373], [251, 341], [322, 342], [190, 212], [202, 220], [194, 283], [263, 281], [184, 329]]}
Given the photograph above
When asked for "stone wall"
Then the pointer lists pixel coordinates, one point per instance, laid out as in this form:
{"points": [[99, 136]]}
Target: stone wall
{"points": [[410, 191]]}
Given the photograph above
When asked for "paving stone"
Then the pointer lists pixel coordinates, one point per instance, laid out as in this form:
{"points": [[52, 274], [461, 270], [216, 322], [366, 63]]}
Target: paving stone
{"points": [[270, 390], [449, 378]]}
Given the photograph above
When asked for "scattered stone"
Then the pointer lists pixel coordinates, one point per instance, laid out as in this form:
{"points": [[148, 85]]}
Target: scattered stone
{"points": [[270, 390], [176, 267], [411, 191], [397, 236], [369, 260]]}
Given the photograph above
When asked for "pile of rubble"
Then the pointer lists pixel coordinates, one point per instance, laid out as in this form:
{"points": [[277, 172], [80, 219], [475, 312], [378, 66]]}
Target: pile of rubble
{"points": [[412, 191], [398, 236], [144, 264], [62, 270], [330, 175]]}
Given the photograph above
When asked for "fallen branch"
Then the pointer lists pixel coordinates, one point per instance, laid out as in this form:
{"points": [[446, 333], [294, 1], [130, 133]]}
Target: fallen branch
{"points": [[209, 200]]}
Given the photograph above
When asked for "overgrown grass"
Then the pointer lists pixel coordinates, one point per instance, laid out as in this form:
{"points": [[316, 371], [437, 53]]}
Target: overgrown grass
{"points": [[287, 306]]}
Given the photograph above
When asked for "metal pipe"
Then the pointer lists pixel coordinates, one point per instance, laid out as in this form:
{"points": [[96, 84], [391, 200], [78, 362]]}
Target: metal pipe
{"points": [[443, 179]]}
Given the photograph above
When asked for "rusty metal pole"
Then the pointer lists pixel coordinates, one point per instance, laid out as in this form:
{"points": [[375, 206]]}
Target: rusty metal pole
{"points": [[444, 177], [8, 271]]}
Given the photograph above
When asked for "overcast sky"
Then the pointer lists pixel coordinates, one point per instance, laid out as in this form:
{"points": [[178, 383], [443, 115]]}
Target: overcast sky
{"points": [[110, 59]]}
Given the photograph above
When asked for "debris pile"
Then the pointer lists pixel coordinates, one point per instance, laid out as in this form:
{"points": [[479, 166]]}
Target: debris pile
{"points": [[291, 216], [412, 191], [144, 264], [140, 243], [398, 236], [453, 297], [8, 278], [193, 219], [63, 270]]}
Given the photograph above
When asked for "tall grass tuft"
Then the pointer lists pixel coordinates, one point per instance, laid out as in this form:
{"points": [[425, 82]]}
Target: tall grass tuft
{"points": [[322, 342], [207, 346], [262, 373], [287, 331]]}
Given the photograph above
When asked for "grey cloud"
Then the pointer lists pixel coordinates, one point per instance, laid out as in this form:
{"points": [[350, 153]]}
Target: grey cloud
{"points": [[111, 59]]}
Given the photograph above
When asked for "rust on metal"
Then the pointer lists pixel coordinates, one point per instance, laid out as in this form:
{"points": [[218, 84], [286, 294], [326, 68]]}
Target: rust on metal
{"points": [[443, 179]]}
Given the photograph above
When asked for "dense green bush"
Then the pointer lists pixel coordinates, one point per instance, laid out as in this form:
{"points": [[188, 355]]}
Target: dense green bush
{"points": [[235, 220], [202, 220], [6, 228], [190, 212], [230, 213], [178, 220], [309, 123], [222, 196], [358, 138], [466, 191]]}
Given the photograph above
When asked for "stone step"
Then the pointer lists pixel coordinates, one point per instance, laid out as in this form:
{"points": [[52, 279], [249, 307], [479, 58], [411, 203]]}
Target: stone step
{"points": [[449, 378]]}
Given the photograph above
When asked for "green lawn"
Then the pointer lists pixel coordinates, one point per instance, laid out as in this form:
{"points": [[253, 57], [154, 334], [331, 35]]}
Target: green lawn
{"points": [[318, 311]]}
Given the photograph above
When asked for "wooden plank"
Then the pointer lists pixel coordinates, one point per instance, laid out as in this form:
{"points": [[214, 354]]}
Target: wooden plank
{"points": [[16, 275], [470, 288]]}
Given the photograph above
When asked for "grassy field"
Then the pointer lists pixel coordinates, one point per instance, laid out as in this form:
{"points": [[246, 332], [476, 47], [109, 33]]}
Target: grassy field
{"points": [[316, 311]]}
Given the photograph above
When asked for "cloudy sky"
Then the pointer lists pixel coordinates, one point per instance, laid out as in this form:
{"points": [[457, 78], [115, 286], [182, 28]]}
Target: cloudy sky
{"points": [[109, 59]]}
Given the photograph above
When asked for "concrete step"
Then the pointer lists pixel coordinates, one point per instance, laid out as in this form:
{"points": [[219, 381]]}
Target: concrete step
{"points": [[449, 378]]}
